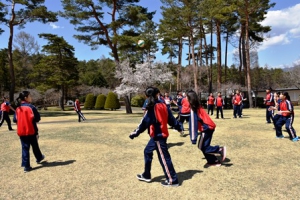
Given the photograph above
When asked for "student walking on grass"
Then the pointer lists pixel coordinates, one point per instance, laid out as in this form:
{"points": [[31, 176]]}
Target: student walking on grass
{"points": [[286, 112], [5, 108], [26, 117], [78, 110], [200, 121], [156, 118]]}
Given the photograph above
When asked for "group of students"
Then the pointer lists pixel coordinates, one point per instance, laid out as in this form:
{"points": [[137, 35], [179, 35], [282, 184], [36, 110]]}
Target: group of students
{"points": [[156, 118], [218, 102], [280, 102]]}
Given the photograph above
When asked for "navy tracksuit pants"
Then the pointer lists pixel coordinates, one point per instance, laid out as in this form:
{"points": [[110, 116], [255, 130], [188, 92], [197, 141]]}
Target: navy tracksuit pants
{"points": [[269, 114], [164, 157], [219, 109], [26, 142], [5, 116], [237, 110], [288, 121], [204, 146], [210, 107]]}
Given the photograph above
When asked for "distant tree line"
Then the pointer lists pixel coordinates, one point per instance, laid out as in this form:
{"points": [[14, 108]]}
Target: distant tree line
{"points": [[118, 25]]}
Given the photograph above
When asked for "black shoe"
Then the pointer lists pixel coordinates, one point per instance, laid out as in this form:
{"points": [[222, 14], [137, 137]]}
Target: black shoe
{"points": [[39, 161], [142, 178], [27, 169], [167, 184]]}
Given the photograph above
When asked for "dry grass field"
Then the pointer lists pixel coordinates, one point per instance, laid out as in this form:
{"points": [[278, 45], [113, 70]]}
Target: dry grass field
{"points": [[96, 159]]}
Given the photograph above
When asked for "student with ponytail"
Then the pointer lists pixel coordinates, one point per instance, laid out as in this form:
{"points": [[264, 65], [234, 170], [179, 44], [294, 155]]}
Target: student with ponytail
{"points": [[200, 121], [286, 112], [26, 117], [155, 119]]}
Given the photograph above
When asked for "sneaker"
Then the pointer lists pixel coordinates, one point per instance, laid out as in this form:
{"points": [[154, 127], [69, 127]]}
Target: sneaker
{"points": [[27, 169], [167, 184], [280, 137], [142, 178], [181, 134], [223, 152], [39, 161], [295, 139], [217, 164]]}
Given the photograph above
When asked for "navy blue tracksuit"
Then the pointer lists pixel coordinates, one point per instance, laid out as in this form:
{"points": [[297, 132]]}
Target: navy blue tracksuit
{"points": [[156, 120]]}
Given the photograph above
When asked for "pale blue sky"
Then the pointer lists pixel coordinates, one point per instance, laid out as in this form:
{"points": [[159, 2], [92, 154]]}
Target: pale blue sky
{"points": [[280, 49]]}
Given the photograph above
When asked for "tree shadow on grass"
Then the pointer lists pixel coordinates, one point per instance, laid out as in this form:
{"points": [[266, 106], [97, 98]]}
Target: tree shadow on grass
{"points": [[182, 176], [54, 164]]}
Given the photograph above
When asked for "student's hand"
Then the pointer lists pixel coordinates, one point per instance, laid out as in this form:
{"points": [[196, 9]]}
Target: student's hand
{"points": [[279, 112], [132, 135], [37, 137]]}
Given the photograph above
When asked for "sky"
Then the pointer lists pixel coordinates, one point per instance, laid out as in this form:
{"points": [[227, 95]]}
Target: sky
{"points": [[280, 49]]}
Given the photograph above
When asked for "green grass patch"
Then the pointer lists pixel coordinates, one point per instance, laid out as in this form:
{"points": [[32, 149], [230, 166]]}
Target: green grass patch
{"points": [[95, 159]]}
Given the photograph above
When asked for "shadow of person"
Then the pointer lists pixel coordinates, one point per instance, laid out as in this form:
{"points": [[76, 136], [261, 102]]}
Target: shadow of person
{"points": [[175, 144], [54, 164], [182, 176]]}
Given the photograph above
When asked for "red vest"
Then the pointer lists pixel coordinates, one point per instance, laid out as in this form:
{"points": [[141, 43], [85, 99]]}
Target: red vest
{"points": [[210, 100], [161, 115], [5, 107], [25, 117], [219, 101]]}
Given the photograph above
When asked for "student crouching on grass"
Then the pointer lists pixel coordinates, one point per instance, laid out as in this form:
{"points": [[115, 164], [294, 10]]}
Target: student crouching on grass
{"points": [[201, 121], [286, 112], [26, 117], [156, 118]]}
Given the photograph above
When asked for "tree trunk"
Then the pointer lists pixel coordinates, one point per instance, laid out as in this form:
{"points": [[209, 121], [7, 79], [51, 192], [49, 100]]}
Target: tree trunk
{"points": [[195, 67], [179, 63], [127, 105], [62, 97], [226, 52], [211, 57], [240, 55], [10, 57], [247, 49], [219, 81]]}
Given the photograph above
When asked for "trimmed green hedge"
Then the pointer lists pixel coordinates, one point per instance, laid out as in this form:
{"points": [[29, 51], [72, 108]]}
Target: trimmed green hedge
{"points": [[100, 102], [138, 101], [112, 101], [89, 101]]}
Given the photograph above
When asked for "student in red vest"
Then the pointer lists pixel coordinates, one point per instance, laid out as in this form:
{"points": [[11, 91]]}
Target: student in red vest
{"points": [[237, 101], [269, 101], [219, 103], [26, 117], [286, 112], [78, 110], [185, 111], [210, 103], [5, 108], [200, 121], [156, 118]]}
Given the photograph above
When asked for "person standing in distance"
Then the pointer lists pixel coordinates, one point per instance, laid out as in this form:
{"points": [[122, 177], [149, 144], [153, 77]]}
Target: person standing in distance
{"points": [[5, 108], [26, 117], [237, 101], [156, 118], [219, 102], [269, 101], [78, 110], [210, 103]]}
